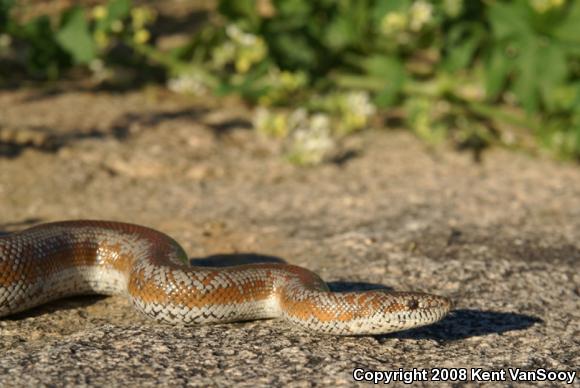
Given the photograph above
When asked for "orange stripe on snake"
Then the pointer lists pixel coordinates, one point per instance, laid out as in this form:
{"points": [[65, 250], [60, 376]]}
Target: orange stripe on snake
{"points": [[59, 259]]}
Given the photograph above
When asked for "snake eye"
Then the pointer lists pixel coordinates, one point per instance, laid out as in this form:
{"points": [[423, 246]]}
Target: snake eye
{"points": [[412, 304]]}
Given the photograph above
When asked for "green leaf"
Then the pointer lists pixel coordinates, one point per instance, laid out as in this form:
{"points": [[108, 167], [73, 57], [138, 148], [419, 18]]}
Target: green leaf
{"points": [[461, 44], [340, 33], [74, 36], [294, 51], [5, 7], [526, 85], [44, 56], [358, 11], [392, 71], [496, 71], [542, 68], [239, 9], [569, 30], [509, 19], [249, 87], [552, 64], [118, 9], [384, 7], [380, 65], [347, 26], [294, 8]]}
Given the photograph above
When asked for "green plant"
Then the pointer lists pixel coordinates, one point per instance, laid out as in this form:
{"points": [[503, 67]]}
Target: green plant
{"points": [[50, 47], [476, 73], [535, 54], [460, 69]]}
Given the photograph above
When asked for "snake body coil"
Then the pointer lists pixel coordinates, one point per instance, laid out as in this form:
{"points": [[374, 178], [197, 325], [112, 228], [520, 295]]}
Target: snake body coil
{"points": [[54, 260]]}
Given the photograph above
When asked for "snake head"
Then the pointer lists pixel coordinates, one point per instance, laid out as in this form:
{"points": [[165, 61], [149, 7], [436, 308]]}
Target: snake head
{"points": [[366, 312], [395, 311], [381, 312]]}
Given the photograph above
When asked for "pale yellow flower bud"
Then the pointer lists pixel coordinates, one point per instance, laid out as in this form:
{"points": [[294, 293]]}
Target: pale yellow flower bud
{"points": [[99, 12], [141, 36]]}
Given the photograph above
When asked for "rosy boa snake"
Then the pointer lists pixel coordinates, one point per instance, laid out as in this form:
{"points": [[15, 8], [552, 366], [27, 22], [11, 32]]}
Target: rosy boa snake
{"points": [[54, 260]]}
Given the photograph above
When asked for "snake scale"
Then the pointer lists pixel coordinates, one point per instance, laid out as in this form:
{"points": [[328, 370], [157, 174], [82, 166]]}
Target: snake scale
{"points": [[66, 258]]}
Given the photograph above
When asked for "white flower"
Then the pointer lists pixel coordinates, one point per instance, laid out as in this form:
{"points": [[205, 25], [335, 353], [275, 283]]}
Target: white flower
{"points": [[261, 117], [308, 138], [243, 49], [270, 123], [298, 119], [320, 124], [223, 54], [312, 143], [187, 84], [355, 110], [393, 22], [237, 35], [420, 14], [360, 103]]}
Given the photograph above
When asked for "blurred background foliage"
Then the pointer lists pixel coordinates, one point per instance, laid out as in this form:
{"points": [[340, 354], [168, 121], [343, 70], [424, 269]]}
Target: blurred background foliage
{"points": [[470, 73]]}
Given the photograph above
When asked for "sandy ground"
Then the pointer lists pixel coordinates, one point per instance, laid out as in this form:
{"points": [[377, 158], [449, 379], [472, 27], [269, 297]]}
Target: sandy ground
{"points": [[500, 238]]}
